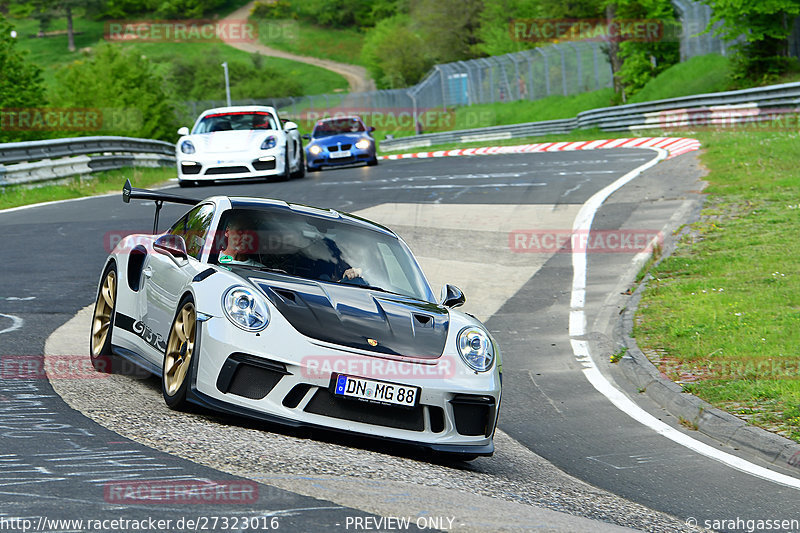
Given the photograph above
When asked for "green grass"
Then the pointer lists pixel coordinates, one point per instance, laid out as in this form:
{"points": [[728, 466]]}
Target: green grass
{"points": [[313, 80], [549, 108], [724, 310], [400, 124], [700, 74], [100, 183], [302, 38], [51, 53]]}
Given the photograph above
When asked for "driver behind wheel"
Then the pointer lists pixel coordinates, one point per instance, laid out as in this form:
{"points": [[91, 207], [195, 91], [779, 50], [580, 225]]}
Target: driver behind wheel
{"points": [[240, 241]]}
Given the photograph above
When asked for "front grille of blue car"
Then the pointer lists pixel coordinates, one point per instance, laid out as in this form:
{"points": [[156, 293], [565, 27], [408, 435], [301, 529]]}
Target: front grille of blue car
{"points": [[336, 148]]}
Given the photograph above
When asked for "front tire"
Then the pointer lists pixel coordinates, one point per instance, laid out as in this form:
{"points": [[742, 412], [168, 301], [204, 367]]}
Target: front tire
{"points": [[286, 175], [301, 166], [103, 321], [179, 357]]}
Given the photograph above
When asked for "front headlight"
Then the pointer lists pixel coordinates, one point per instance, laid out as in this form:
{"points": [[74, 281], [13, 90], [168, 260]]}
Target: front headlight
{"points": [[363, 144], [245, 309], [269, 142], [187, 147], [476, 348], [314, 149]]}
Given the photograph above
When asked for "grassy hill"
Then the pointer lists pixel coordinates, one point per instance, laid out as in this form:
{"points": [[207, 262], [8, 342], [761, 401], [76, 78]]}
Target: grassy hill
{"points": [[51, 53], [303, 38]]}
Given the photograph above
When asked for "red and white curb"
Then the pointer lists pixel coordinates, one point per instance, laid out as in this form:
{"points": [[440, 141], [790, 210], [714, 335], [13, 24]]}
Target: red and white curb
{"points": [[674, 146]]}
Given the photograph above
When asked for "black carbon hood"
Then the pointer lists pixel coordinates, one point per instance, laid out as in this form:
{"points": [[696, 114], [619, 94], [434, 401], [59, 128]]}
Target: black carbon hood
{"points": [[351, 316]]}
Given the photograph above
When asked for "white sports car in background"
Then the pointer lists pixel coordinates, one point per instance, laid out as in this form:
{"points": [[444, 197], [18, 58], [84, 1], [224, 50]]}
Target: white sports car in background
{"points": [[239, 142], [299, 316]]}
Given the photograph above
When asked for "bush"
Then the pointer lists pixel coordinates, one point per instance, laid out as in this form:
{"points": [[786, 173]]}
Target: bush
{"points": [[248, 80], [20, 83], [170, 9], [125, 87], [272, 10]]}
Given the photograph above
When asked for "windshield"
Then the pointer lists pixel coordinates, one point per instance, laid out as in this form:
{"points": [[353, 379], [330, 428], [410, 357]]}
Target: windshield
{"points": [[325, 128], [318, 248], [240, 120]]}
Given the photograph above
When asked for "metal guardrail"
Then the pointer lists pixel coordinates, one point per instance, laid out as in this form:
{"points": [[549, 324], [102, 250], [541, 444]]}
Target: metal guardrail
{"points": [[760, 104], [26, 162], [44, 160], [493, 133]]}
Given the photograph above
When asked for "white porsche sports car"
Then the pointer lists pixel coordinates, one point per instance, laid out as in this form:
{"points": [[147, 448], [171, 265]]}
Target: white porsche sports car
{"points": [[300, 316], [239, 142]]}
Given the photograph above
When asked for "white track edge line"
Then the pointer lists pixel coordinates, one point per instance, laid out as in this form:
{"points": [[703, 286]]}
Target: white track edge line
{"points": [[16, 323], [583, 222]]}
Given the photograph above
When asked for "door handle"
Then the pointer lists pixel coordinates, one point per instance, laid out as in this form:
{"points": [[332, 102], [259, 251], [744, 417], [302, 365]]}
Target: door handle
{"points": [[148, 272]]}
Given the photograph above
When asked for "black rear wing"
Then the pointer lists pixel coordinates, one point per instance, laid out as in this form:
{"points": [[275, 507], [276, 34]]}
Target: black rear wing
{"points": [[131, 193]]}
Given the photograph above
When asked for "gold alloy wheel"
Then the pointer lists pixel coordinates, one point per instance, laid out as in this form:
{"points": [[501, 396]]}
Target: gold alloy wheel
{"points": [[179, 349], [103, 310]]}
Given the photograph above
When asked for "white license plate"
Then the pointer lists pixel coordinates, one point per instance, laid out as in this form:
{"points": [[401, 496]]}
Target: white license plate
{"points": [[375, 391], [340, 154]]}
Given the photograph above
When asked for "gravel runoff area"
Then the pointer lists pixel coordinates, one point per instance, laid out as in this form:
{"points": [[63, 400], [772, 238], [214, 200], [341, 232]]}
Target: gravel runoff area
{"points": [[514, 490]]}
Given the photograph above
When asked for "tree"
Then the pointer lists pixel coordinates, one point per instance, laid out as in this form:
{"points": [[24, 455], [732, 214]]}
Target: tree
{"points": [[494, 33], [45, 11], [395, 55], [20, 82], [448, 27], [765, 26], [125, 87], [641, 61]]}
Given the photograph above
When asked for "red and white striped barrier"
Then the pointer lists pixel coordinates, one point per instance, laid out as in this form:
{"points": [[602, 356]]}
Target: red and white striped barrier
{"points": [[675, 146]]}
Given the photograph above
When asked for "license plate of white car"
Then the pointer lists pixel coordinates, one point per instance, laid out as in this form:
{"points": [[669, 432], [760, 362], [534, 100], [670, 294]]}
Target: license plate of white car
{"points": [[340, 154], [375, 391]]}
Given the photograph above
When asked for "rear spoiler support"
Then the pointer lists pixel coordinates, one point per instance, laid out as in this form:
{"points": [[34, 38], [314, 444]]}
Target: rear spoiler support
{"points": [[131, 193]]}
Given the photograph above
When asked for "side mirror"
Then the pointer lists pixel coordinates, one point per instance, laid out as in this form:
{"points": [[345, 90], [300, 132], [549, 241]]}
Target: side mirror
{"points": [[306, 136], [452, 296], [289, 125], [183, 131], [171, 245], [371, 129]]}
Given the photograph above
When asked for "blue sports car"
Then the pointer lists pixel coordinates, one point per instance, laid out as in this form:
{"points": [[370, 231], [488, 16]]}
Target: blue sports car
{"points": [[340, 141]]}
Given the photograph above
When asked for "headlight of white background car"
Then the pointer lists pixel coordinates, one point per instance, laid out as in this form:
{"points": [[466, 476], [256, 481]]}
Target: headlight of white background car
{"points": [[187, 147], [269, 142], [363, 144], [245, 309], [475, 348], [314, 149]]}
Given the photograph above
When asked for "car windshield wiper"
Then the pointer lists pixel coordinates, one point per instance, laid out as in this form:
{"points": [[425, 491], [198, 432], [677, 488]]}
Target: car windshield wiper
{"points": [[370, 287], [261, 268], [273, 270]]}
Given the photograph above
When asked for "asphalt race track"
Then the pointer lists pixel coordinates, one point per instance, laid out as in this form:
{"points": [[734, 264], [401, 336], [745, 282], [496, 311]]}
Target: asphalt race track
{"points": [[63, 443]]}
